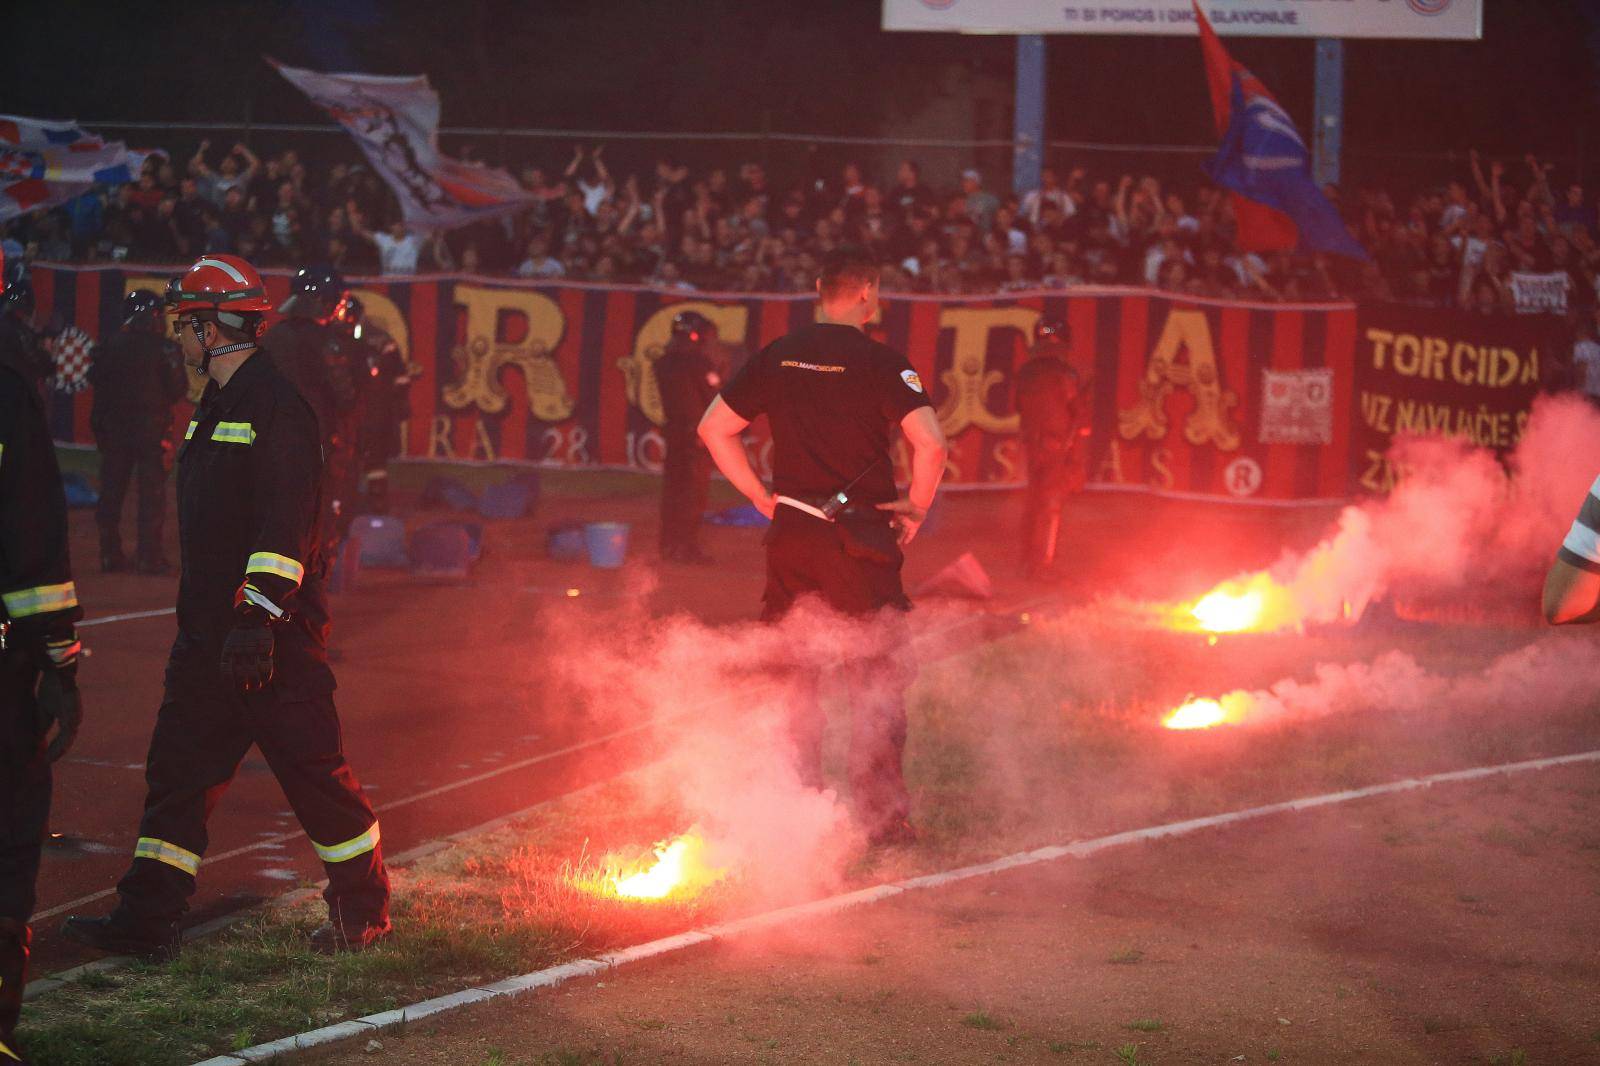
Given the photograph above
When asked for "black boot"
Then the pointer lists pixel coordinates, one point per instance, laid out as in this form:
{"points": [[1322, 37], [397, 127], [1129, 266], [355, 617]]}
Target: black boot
{"points": [[112, 560], [121, 934], [14, 938], [153, 565]]}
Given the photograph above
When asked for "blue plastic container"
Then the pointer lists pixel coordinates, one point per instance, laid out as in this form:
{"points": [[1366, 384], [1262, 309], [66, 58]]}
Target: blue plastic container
{"points": [[565, 543], [607, 543]]}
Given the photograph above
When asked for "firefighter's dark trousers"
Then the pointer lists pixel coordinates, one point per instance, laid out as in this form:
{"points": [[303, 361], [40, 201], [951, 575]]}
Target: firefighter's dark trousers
{"points": [[24, 785], [199, 741], [1050, 482], [121, 465]]}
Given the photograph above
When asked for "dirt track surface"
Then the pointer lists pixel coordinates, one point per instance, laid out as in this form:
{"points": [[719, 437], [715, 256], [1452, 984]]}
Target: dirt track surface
{"points": [[1456, 924], [439, 681]]}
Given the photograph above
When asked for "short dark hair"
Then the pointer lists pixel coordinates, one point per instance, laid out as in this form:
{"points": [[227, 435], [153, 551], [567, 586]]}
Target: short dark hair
{"points": [[846, 267]]}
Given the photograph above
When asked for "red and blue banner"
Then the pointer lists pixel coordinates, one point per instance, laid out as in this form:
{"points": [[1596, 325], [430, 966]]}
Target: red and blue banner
{"points": [[1248, 402]]}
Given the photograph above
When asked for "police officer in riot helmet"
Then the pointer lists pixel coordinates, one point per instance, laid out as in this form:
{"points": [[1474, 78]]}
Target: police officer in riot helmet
{"points": [[308, 349], [689, 374], [313, 351], [1053, 404], [382, 381], [19, 340], [137, 375]]}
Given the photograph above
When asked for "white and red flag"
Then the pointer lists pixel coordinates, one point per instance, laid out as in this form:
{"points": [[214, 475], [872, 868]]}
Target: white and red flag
{"points": [[395, 120]]}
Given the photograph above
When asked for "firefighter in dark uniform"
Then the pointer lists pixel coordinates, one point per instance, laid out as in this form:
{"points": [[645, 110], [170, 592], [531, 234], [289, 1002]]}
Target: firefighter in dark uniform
{"points": [[313, 351], [1054, 410], [137, 376], [249, 665], [833, 398], [689, 373], [383, 379], [38, 650]]}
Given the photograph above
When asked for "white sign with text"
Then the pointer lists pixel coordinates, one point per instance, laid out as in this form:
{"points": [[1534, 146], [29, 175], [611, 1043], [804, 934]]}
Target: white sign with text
{"points": [[1460, 20]]}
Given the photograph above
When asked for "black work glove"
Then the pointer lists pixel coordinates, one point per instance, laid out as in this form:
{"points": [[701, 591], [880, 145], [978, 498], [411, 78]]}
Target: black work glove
{"points": [[247, 653], [60, 707]]}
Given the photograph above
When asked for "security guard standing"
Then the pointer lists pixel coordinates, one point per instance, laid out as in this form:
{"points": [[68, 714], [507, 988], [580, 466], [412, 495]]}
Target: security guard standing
{"points": [[249, 665], [1054, 412], [689, 373], [38, 654], [137, 376], [833, 398], [382, 381], [313, 351]]}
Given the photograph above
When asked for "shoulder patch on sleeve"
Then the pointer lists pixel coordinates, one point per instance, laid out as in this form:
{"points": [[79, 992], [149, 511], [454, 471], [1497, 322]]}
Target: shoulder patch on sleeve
{"points": [[913, 382]]}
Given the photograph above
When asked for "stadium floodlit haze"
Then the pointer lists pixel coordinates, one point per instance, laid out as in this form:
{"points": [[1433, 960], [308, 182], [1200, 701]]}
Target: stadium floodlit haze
{"points": [[906, 531]]}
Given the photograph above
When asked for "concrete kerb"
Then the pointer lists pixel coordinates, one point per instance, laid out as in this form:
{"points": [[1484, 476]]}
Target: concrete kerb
{"points": [[555, 975], [45, 985]]}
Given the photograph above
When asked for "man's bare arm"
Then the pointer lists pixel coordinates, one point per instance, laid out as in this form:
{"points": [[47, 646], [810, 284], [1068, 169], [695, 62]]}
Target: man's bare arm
{"points": [[928, 453], [720, 429], [1571, 594]]}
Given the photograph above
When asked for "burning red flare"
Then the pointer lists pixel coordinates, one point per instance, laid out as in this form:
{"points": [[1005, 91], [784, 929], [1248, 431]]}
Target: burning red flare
{"points": [[680, 868], [1196, 714]]}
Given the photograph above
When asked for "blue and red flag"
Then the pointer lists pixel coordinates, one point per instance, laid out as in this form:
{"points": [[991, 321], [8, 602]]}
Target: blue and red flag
{"points": [[1263, 162]]}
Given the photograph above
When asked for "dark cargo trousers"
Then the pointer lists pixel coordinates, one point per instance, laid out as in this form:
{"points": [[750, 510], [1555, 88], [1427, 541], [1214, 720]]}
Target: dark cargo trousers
{"points": [[200, 739]]}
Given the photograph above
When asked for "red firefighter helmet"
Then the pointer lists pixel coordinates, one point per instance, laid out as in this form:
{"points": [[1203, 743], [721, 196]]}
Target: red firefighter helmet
{"points": [[219, 283]]}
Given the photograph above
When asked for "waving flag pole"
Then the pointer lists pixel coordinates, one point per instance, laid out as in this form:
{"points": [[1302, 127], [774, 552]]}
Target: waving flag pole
{"points": [[1262, 160]]}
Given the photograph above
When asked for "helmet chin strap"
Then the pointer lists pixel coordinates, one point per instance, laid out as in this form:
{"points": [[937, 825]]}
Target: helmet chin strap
{"points": [[207, 354]]}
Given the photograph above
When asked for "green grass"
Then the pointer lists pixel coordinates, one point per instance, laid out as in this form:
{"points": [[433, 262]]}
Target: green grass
{"points": [[1144, 1025], [1068, 719], [516, 901], [1063, 1047], [1128, 1054]]}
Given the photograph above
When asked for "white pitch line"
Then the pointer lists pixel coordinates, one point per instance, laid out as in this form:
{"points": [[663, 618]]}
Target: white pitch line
{"points": [[515, 986], [283, 838], [521, 764]]}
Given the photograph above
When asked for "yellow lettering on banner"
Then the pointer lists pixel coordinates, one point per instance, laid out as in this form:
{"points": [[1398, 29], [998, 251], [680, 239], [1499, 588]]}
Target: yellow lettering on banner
{"points": [[481, 442], [1187, 331], [639, 366], [1434, 349], [1437, 359], [1407, 355], [1161, 473], [1379, 475], [1110, 471], [1381, 339], [381, 312], [967, 383], [480, 359], [1006, 458], [1375, 410], [439, 446]]}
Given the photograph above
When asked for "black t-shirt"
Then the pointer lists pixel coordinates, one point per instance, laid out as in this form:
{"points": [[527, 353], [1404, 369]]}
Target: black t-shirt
{"points": [[832, 396]]}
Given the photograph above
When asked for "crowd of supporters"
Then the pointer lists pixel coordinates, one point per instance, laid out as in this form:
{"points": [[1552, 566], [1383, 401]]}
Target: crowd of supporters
{"points": [[736, 229]]}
